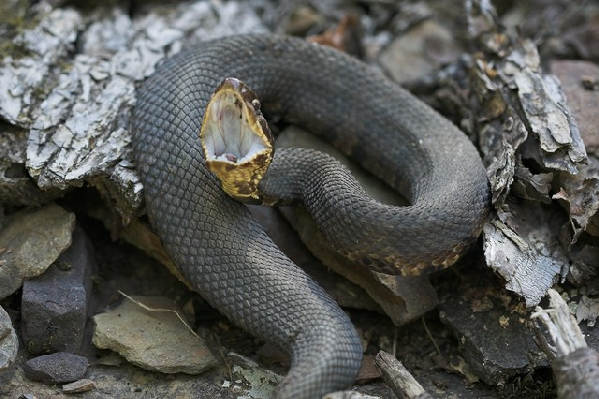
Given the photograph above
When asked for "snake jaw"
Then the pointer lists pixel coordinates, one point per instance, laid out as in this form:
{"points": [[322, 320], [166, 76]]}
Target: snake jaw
{"points": [[237, 142]]}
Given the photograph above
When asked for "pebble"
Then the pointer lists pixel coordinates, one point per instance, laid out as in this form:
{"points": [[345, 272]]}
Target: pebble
{"points": [[57, 368]]}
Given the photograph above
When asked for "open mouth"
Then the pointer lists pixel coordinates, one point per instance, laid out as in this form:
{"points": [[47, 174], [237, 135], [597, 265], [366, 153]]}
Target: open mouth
{"points": [[231, 131], [236, 139]]}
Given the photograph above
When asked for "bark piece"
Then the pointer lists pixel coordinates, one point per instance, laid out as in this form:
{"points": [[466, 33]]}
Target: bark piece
{"points": [[549, 118], [21, 79], [514, 103], [74, 102], [530, 143], [579, 195], [533, 151], [16, 186], [518, 110], [522, 245]]}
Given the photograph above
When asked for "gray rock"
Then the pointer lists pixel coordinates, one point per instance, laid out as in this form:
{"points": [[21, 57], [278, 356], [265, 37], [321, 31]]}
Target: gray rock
{"points": [[150, 334], [9, 343], [591, 335], [54, 306], [418, 52], [496, 343], [56, 368], [32, 241]]}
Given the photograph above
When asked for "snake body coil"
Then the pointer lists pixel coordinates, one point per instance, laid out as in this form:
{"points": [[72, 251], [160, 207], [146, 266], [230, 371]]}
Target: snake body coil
{"points": [[227, 256]]}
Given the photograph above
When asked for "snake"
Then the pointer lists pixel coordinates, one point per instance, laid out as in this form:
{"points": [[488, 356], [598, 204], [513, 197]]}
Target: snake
{"points": [[224, 252]]}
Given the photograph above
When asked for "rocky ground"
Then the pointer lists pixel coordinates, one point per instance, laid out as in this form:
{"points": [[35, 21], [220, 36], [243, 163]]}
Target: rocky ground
{"points": [[87, 305]]}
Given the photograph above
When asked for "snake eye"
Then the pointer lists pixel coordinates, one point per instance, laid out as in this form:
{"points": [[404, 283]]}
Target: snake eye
{"points": [[236, 139]]}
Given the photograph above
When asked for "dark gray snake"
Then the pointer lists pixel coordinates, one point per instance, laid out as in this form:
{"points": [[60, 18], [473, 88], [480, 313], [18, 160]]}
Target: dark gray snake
{"points": [[226, 255]]}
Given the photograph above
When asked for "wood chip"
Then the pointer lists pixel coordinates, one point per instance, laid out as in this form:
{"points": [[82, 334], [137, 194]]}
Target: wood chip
{"points": [[575, 365], [83, 385]]}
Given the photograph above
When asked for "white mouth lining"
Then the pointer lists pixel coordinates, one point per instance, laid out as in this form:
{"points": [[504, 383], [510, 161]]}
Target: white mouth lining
{"points": [[228, 135]]}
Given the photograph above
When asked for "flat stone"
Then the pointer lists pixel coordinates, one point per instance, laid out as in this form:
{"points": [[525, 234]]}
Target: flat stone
{"points": [[156, 340], [32, 241], [56, 368], [496, 343], [9, 343], [54, 306]]}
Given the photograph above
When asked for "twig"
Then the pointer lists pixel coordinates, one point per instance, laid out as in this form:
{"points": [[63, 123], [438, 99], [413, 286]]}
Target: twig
{"points": [[348, 395], [222, 355], [575, 365], [399, 378], [430, 336], [149, 309]]}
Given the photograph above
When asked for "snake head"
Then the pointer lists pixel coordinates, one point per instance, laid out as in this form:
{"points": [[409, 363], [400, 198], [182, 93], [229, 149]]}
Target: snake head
{"points": [[237, 142]]}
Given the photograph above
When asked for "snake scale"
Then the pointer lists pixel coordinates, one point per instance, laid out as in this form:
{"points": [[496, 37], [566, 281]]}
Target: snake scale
{"points": [[224, 252]]}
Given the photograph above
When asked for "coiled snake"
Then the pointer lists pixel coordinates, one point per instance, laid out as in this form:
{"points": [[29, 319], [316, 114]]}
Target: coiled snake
{"points": [[226, 255]]}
